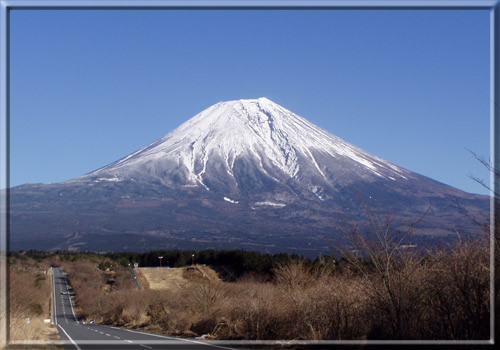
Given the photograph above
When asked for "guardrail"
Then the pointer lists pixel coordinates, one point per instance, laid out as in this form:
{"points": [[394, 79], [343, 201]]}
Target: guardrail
{"points": [[134, 276], [52, 296]]}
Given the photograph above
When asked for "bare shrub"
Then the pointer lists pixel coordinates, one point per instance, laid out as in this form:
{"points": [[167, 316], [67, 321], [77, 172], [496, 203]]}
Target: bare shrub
{"points": [[321, 304], [259, 311], [171, 312], [159, 314], [207, 295], [253, 277], [293, 276], [392, 276], [333, 308], [459, 291]]}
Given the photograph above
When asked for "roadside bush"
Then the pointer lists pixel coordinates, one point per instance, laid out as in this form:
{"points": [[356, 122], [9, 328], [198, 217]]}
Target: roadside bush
{"points": [[385, 291], [411, 294], [29, 303], [259, 312], [458, 289]]}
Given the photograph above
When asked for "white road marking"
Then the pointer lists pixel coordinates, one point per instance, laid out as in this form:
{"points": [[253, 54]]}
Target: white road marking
{"points": [[145, 346], [117, 337], [54, 300], [166, 337], [171, 338], [70, 339], [70, 302], [108, 335]]}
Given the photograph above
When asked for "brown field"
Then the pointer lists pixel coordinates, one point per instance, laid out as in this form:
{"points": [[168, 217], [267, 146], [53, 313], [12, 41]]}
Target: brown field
{"points": [[173, 278]]}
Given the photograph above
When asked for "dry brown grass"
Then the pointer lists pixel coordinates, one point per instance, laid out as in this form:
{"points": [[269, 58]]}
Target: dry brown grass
{"points": [[21, 331], [459, 291], [394, 294], [299, 304], [162, 279], [98, 298], [30, 303], [173, 278]]}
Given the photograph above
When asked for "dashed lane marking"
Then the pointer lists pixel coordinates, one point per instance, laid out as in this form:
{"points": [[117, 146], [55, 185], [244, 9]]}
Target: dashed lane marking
{"points": [[171, 338], [181, 339], [145, 346]]}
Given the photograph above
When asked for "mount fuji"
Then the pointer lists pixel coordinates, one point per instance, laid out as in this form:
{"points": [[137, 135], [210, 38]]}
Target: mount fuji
{"points": [[241, 174]]}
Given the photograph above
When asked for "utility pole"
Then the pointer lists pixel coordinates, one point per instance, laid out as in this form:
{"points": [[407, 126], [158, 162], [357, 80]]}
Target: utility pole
{"points": [[192, 261]]}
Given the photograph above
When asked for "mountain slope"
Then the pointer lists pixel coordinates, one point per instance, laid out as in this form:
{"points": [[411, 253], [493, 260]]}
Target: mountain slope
{"points": [[245, 173], [231, 138]]}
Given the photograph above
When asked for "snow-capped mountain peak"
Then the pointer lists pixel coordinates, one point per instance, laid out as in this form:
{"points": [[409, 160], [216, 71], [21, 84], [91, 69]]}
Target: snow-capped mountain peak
{"points": [[246, 174], [225, 138]]}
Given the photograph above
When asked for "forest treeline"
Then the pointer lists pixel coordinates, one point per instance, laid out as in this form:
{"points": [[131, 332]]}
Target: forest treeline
{"points": [[237, 262]]}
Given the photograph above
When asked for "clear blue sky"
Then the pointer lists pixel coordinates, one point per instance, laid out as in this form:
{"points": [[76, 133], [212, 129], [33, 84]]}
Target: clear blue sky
{"points": [[91, 86]]}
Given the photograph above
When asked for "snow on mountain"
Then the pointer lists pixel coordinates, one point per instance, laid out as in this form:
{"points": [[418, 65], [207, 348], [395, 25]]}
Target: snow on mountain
{"points": [[227, 136], [240, 174]]}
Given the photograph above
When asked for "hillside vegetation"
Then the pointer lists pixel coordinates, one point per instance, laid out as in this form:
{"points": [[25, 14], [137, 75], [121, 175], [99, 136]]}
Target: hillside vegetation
{"points": [[391, 292], [30, 301]]}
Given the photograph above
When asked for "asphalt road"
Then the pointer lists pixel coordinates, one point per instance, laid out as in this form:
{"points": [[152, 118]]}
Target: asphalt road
{"points": [[76, 335]]}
